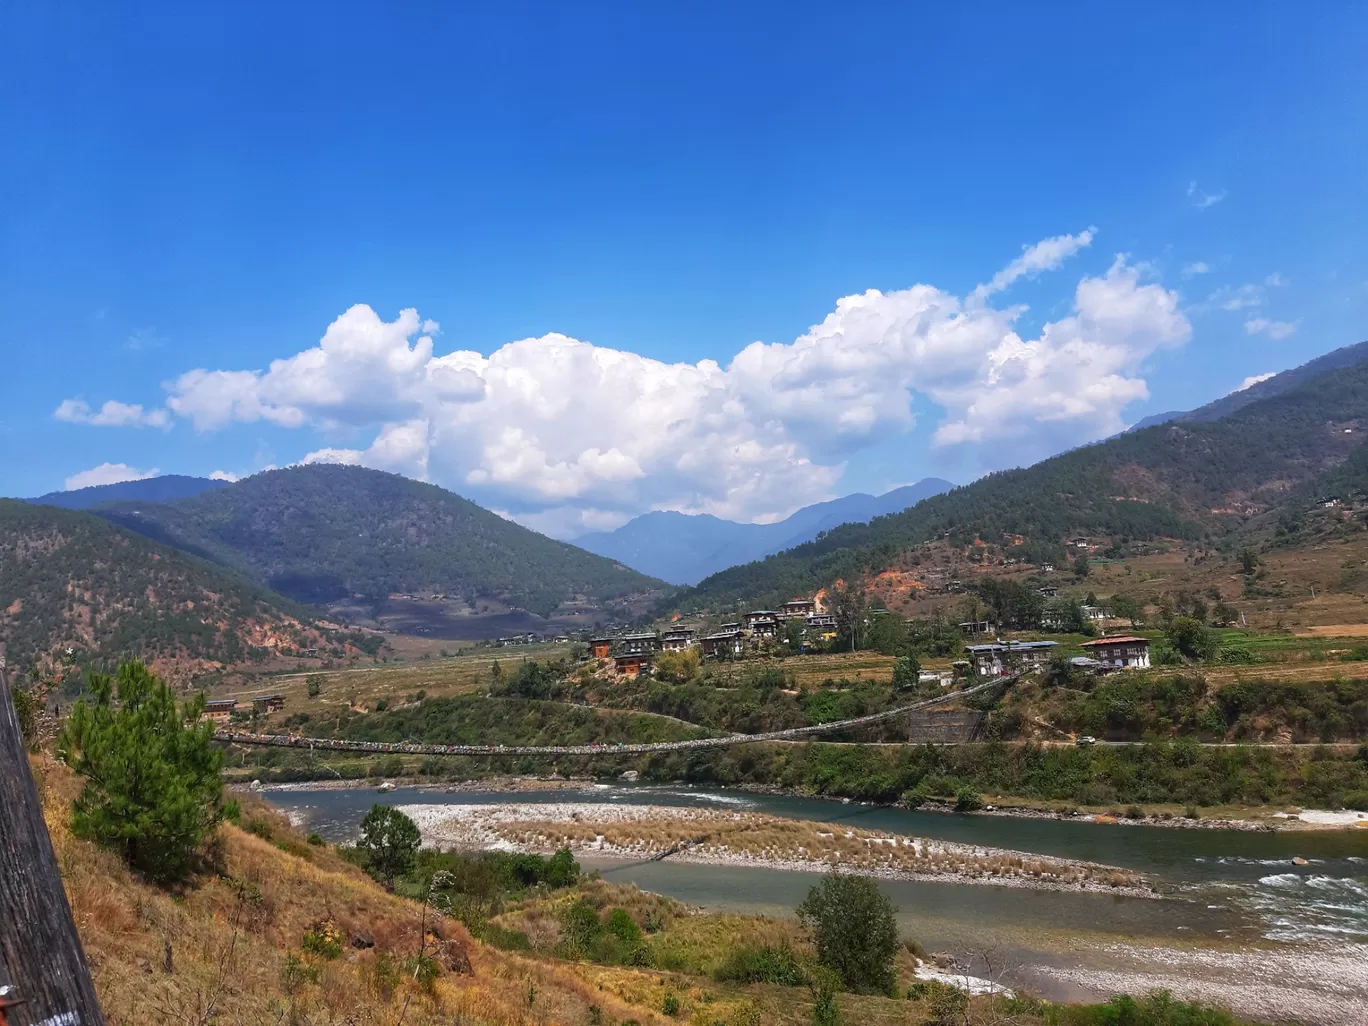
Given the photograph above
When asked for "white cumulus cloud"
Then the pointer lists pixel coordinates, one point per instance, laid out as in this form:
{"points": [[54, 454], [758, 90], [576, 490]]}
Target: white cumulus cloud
{"points": [[1275, 330], [1195, 268], [1202, 200], [1253, 379], [571, 436], [111, 414], [108, 473], [223, 475]]}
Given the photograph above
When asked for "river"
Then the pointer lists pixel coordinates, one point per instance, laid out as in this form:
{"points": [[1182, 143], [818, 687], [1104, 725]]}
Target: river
{"points": [[1232, 891]]}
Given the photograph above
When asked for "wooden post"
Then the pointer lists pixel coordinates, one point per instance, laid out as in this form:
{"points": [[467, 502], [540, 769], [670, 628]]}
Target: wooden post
{"points": [[44, 980]]}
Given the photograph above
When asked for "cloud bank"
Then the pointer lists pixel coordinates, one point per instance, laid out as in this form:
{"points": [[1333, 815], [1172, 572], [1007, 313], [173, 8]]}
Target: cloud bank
{"points": [[571, 436], [108, 473]]}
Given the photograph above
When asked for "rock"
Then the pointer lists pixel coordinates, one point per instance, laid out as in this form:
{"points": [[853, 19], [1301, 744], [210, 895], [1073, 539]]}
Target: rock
{"points": [[363, 940], [386, 787], [630, 776], [255, 785], [1297, 860], [943, 960]]}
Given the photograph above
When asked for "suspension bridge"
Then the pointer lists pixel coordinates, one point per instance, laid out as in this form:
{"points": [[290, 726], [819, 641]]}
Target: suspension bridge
{"points": [[241, 737]]}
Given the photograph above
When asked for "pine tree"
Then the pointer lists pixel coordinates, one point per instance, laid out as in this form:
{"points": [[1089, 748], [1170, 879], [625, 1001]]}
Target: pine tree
{"points": [[152, 787]]}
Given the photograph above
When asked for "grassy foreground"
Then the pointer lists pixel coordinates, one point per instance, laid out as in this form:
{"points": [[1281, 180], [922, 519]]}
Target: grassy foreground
{"points": [[274, 929]]}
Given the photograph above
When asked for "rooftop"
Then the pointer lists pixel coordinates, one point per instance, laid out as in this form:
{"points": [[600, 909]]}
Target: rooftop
{"points": [[1121, 639], [1010, 646]]}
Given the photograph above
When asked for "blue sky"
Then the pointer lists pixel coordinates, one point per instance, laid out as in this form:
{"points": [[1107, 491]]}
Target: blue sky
{"points": [[210, 187]]}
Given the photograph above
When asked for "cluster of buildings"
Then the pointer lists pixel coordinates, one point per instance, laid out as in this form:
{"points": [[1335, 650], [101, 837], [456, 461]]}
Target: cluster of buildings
{"points": [[633, 653], [1118, 652], [221, 710]]}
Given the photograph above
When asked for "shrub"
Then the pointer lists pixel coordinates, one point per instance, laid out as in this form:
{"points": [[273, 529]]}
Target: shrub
{"points": [[152, 787], [670, 1006], [388, 843], [27, 707], [825, 1009], [762, 964], [323, 940], [854, 931], [967, 799], [313, 683]]}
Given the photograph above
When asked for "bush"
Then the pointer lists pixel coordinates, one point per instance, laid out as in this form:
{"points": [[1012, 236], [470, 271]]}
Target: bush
{"points": [[323, 940], [27, 707], [670, 1006], [388, 843], [313, 683], [152, 787], [854, 931], [764, 963], [1191, 638], [967, 799], [1157, 1009], [825, 1009]]}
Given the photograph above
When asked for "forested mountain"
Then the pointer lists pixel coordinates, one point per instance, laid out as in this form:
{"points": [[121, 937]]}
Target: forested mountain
{"points": [[1344, 357], [1177, 480], [75, 588], [166, 488], [322, 533], [683, 548]]}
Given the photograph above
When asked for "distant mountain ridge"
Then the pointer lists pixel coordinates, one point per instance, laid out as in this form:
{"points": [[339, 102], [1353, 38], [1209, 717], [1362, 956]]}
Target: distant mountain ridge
{"points": [[322, 533], [166, 488], [684, 548], [1338, 359], [1185, 480], [76, 589]]}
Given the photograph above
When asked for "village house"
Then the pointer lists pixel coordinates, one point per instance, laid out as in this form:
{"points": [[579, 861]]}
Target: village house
{"points": [[601, 648], [1096, 613], [1048, 591], [638, 644], [268, 704], [759, 616], [220, 709], [978, 627], [764, 627], [632, 665], [677, 639], [1125, 651], [724, 642], [1002, 657], [798, 609]]}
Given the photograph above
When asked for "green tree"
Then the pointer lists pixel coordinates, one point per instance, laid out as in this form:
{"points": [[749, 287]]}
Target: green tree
{"points": [[389, 841], [1192, 638], [152, 787], [27, 707], [314, 684], [1081, 568], [1249, 562], [905, 671], [854, 931]]}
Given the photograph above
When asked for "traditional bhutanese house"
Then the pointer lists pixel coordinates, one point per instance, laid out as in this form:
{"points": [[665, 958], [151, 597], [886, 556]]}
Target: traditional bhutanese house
{"points": [[724, 642], [977, 627], [1124, 650], [1009, 656], [1096, 612], [601, 648], [677, 639], [268, 703], [764, 626], [632, 665], [756, 615], [220, 709], [821, 626], [798, 608], [638, 644], [1049, 591], [730, 627]]}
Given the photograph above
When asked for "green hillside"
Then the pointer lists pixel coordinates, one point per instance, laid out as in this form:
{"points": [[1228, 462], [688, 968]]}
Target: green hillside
{"points": [[1186, 481], [321, 533], [74, 588]]}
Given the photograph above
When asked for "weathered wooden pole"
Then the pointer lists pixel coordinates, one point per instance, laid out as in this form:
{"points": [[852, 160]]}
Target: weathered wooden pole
{"points": [[43, 972]]}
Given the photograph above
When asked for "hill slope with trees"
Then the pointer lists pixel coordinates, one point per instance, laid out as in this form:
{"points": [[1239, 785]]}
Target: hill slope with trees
{"points": [[1176, 480], [75, 589], [321, 533]]}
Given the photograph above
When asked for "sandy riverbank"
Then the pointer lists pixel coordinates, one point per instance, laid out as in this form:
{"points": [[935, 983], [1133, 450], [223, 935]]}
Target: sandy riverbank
{"points": [[1318, 985], [721, 837], [1274, 820]]}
